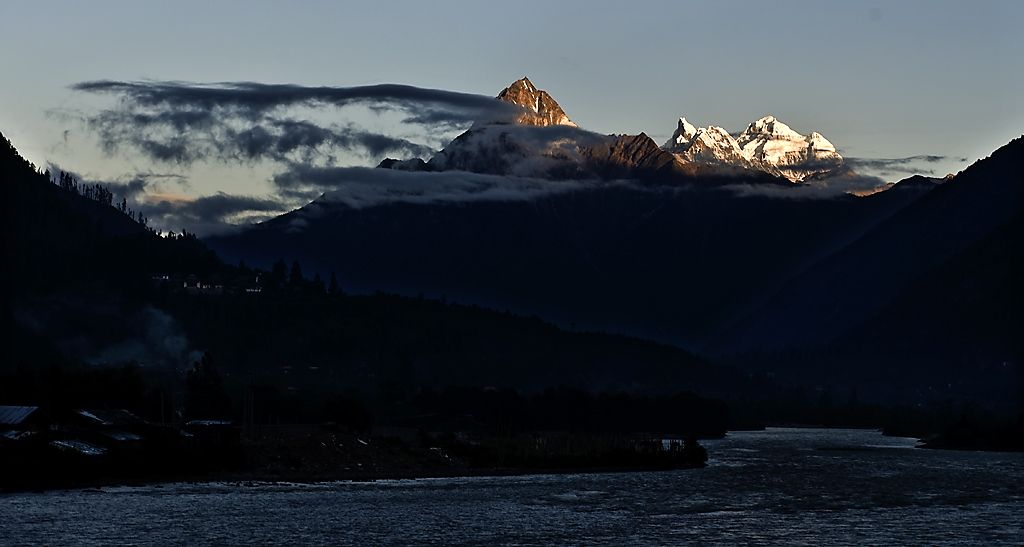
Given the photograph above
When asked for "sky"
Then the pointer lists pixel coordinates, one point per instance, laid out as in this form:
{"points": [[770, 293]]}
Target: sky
{"points": [[198, 112]]}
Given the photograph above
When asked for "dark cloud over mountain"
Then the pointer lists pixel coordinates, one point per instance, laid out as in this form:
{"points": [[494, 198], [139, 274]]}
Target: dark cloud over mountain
{"points": [[257, 97], [208, 214], [141, 183], [248, 123], [150, 194], [180, 122]]}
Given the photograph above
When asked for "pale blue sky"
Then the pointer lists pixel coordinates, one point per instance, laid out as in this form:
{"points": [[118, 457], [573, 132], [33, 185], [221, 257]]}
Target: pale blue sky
{"points": [[878, 79]]}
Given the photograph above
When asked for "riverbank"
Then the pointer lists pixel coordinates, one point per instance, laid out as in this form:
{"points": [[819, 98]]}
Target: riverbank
{"points": [[965, 435], [341, 456], [769, 487]]}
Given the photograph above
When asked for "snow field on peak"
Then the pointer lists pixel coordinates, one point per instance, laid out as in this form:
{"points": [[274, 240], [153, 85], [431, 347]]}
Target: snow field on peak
{"points": [[766, 144]]}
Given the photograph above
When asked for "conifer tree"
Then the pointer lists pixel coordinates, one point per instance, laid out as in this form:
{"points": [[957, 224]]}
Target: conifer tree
{"points": [[332, 288], [295, 278], [279, 273]]}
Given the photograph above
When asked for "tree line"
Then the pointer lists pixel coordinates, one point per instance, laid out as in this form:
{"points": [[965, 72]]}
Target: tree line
{"points": [[97, 193]]}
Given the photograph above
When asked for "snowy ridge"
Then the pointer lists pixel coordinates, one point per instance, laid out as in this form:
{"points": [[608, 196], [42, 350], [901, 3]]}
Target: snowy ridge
{"points": [[766, 144]]}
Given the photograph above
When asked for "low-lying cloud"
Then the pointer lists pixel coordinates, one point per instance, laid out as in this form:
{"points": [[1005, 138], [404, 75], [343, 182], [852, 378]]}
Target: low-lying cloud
{"points": [[360, 187], [863, 183], [818, 189], [912, 165]]}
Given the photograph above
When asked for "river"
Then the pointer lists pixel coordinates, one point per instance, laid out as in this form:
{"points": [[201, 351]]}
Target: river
{"points": [[775, 487]]}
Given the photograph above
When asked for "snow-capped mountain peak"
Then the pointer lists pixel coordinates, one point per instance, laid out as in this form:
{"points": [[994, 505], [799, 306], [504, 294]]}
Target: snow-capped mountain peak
{"points": [[768, 126], [709, 145], [714, 145], [683, 135], [820, 143], [766, 144]]}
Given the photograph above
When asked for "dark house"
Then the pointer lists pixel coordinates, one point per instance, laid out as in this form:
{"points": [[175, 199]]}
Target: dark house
{"points": [[112, 428], [108, 419], [23, 418]]}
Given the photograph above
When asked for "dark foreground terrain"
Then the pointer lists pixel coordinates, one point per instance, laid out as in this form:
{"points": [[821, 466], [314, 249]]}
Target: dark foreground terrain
{"points": [[336, 455]]}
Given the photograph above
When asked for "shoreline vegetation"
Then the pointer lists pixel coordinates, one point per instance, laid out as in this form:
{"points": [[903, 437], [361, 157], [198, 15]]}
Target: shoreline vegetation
{"points": [[336, 455], [74, 442]]}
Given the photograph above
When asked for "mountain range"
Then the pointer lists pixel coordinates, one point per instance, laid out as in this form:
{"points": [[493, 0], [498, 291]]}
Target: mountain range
{"points": [[541, 141], [719, 244]]}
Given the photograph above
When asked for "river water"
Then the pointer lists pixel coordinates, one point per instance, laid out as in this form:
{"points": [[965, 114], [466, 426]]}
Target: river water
{"points": [[774, 487]]}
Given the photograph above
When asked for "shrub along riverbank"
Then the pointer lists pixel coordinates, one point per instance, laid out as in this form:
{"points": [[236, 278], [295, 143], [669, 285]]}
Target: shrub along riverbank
{"points": [[37, 463]]}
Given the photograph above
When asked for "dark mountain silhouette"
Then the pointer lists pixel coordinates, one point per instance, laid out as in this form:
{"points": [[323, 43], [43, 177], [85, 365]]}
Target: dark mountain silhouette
{"points": [[59, 239], [956, 329], [78, 289], [663, 262], [854, 284], [952, 333], [674, 254]]}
